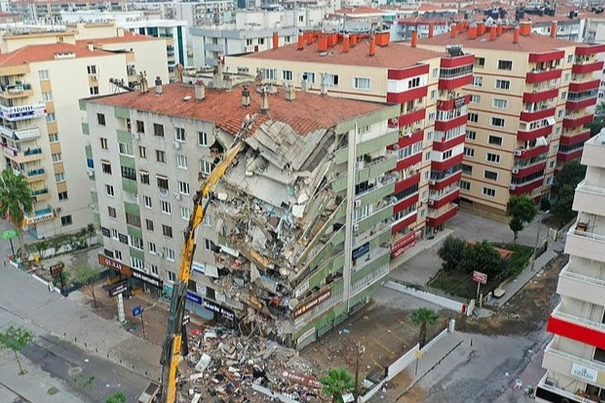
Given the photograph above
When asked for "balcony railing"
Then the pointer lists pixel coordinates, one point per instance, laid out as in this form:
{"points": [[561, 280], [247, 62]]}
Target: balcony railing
{"points": [[574, 358]]}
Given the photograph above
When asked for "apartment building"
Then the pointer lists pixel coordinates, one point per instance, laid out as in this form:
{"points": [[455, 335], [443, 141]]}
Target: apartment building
{"points": [[294, 238], [49, 11], [575, 358], [530, 99], [41, 127], [426, 86]]}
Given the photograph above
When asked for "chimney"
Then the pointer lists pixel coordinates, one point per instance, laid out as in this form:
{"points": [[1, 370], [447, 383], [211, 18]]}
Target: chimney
{"points": [[499, 29], [516, 34], [200, 91], [144, 85], [159, 89], [275, 40], [323, 86], [290, 93], [264, 101], [345, 43], [245, 96], [322, 44], [472, 31], [414, 38], [493, 33], [480, 28], [452, 31], [301, 42], [90, 47], [372, 46], [553, 29], [525, 28], [431, 30], [353, 40]]}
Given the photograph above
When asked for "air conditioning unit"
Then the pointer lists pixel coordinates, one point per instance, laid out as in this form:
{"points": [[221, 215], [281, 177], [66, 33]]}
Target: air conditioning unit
{"points": [[176, 145], [432, 182], [161, 254], [357, 203], [136, 136], [512, 187], [356, 227], [90, 172], [147, 271], [518, 153], [431, 202], [515, 171], [177, 196]]}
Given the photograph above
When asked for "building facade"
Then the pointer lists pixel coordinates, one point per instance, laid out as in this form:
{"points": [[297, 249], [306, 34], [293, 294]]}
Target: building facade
{"points": [[294, 239], [575, 358], [49, 11]]}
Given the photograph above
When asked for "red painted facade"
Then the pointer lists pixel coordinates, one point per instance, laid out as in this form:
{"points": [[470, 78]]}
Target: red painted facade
{"points": [[406, 183], [401, 225], [539, 96], [585, 50], [526, 188], [446, 145], [445, 182], [408, 162], [576, 331], [453, 62], [571, 156], [445, 199], [532, 152], [584, 86], [531, 169], [579, 138], [587, 68], [581, 104], [544, 75], [402, 74], [438, 220], [403, 243], [537, 115], [445, 125], [451, 83], [546, 56], [405, 203], [403, 97], [443, 165], [530, 135], [570, 123], [412, 117]]}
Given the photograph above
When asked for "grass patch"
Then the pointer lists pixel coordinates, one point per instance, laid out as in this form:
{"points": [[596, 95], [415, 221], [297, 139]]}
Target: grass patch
{"points": [[519, 259]]}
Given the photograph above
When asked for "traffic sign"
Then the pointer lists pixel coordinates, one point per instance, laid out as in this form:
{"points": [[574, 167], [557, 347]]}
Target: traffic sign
{"points": [[11, 233], [56, 269], [480, 277], [118, 288], [137, 310], [186, 319]]}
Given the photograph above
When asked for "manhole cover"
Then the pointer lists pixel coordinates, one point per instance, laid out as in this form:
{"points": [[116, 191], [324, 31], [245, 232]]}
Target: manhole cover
{"points": [[74, 371]]}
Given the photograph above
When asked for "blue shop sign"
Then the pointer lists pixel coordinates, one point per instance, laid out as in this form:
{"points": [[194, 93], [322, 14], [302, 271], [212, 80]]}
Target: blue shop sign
{"points": [[361, 250], [194, 297]]}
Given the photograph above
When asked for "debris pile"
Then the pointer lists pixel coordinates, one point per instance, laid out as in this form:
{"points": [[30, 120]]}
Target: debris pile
{"points": [[224, 367]]}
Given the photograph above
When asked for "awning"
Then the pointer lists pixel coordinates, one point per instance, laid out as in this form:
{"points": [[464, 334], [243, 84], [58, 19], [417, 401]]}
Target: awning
{"points": [[550, 120]]}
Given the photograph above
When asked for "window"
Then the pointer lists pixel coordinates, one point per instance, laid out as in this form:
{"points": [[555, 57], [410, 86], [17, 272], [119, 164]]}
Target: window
{"points": [[569, 58], [63, 196], [166, 207], [488, 192], [202, 139], [478, 81], [475, 99], [491, 157], [471, 135], [94, 90], [490, 175], [480, 62], [66, 220], [126, 149], [144, 177], [57, 157], [466, 169], [136, 242], [140, 126], [171, 276], [47, 96], [111, 212], [162, 183], [152, 248], [101, 119], [147, 201], [109, 190], [552, 164], [469, 152], [309, 77], [446, 154], [496, 140], [498, 122], [432, 116], [43, 75], [361, 83], [206, 167], [53, 137], [505, 65], [500, 103], [433, 94], [133, 220], [473, 117], [142, 152], [160, 156], [414, 82], [563, 95], [331, 80], [208, 244], [50, 117], [129, 173], [436, 72], [114, 233], [91, 69], [60, 177], [104, 145], [179, 134], [155, 270], [106, 167], [181, 161], [158, 130], [286, 75], [149, 224], [427, 156], [167, 230], [183, 187], [503, 84], [118, 255], [186, 212], [464, 185]]}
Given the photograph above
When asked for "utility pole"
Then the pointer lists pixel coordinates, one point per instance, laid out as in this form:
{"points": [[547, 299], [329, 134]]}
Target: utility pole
{"points": [[358, 353]]}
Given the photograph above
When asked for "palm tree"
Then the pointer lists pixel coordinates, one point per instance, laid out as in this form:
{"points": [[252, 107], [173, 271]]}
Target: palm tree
{"points": [[424, 317], [15, 201], [337, 382]]}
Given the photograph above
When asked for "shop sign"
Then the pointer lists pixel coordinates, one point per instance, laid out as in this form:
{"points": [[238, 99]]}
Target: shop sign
{"points": [[306, 334], [112, 264], [56, 269], [105, 232], [361, 250], [459, 102], [123, 238], [307, 306], [119, 288], [587, 374], [194, 297], [129, 271], [198, 267], [23, 111], [39, 218], [141, 275], [224, 312], [303, 289], [403, 244], [301, 379]]}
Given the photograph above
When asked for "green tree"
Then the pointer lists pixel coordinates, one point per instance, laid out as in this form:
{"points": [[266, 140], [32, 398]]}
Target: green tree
{"points": [[483, 257], [15, 202], [118, 397], [522, 210], [86, 276], [565, 183], [336, 383], [451, 252], [16, 338], [424, 317]]}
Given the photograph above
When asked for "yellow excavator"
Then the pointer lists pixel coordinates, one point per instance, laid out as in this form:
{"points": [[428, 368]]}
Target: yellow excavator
{"points": [[175, 344]]}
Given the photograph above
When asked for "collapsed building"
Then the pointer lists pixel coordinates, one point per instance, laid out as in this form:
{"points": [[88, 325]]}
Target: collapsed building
{"points": [[296, 235]]}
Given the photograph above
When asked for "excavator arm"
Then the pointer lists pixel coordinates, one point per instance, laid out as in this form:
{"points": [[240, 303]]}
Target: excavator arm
{"points": [[175, 346]]}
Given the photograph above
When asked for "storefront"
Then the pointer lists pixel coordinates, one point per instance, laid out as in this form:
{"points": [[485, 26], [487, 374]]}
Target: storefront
{"points": [[222, 315], [136, 278]]}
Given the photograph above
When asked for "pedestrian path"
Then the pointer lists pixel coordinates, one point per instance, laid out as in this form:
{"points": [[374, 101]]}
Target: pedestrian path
{"points": [[432, 356]]}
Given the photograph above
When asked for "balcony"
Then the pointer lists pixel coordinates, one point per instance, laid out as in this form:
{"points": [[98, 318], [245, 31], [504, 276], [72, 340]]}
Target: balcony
{"points": [[546, 56], [443, 165], [404, 243], [576, 121], [408, 138], [522, 171], [445, 145], [574, 138], [458, 61], [450, 104], [457, 82], [546, 392], [540, 95], [19, 134], [445, 125], [438, 184], [587, 49], [436, 202], [527, 153], [586, 68], [533, 134], [411, 117], [404, 222], [527, 116], [16, 91], [574, 105], [22, 157], [585, 244], [594, 149], [562, 363], [525, 188], [407, 95], [584, 86], [581, 287], [409, 161], [407, 182], [39, 195], [35, 175], [570, 155], [404, 203], [22, 112], [539, 76], [39, 216], [437, 218]]}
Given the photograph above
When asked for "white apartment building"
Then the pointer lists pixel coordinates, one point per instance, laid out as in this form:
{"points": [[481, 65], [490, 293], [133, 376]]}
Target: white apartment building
{"points": [[575, 358]]}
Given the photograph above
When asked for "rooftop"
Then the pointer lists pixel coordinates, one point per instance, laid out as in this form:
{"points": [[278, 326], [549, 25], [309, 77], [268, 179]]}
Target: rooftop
{"points": [[127, 37], [533, 43], [39, 53], [307, 113], [395, 55]]}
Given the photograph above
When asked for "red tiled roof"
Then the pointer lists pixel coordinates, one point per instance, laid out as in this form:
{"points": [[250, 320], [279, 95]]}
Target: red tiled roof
{"points": [[395, 55], [308, 112], [38, 53], [531, 43], [128, 37], [358, 10]]}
